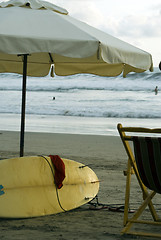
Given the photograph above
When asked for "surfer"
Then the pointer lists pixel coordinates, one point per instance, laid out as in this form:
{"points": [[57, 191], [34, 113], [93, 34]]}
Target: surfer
{"points": [[156, 90]]}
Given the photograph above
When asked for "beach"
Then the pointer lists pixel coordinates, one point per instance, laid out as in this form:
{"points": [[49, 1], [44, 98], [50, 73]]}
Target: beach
{"points": [[76, 116], [105, 155]]}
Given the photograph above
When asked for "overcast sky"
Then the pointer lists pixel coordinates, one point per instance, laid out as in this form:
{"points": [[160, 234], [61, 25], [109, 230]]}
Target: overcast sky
{"points": [[136, 22]]}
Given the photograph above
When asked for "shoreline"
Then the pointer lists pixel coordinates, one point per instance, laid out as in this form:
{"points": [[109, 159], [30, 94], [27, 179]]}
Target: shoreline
{"points": [[72, 124]]}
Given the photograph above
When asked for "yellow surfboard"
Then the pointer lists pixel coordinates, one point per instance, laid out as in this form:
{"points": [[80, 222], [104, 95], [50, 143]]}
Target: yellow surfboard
{"points": [[27, 187]]}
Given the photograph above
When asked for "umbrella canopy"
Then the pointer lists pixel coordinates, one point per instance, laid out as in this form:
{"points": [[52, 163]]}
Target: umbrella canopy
{"points": [[49, 35], [35, 35]]}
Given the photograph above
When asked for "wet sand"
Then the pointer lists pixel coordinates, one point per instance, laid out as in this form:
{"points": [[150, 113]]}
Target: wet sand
{"points": [[105, 155]]}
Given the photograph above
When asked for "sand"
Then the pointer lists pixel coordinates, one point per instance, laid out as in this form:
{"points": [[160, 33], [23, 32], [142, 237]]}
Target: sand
{"points": [[105, 155]]}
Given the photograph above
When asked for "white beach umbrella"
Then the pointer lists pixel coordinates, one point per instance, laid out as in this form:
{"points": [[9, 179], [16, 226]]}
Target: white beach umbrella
{"points": [[35, 35]]}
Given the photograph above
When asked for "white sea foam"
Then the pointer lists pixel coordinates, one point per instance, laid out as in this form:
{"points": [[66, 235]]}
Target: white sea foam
{"points": [[84, 96]]}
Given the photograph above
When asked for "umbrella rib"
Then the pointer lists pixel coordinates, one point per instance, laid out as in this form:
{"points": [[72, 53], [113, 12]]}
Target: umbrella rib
{"points": [[51, 58]]}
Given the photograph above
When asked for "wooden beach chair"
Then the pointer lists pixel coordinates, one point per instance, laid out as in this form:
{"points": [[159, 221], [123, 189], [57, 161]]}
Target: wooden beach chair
{"points": [[144, 159]]}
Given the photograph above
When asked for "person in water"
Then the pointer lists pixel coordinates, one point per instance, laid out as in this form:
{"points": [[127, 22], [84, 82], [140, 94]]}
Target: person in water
{"points": [[160, 66], [156, 90]]}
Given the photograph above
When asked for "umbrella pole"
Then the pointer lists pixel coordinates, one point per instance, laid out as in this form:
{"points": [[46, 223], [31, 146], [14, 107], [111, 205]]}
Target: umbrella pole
{"points": [[23, 105]]}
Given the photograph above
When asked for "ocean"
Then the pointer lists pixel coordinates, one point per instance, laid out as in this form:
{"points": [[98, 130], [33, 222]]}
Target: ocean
{"points": [[81, 104]]}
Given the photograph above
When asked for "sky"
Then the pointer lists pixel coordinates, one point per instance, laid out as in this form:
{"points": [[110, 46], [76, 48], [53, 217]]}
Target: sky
{"points": [[134, 21]]}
